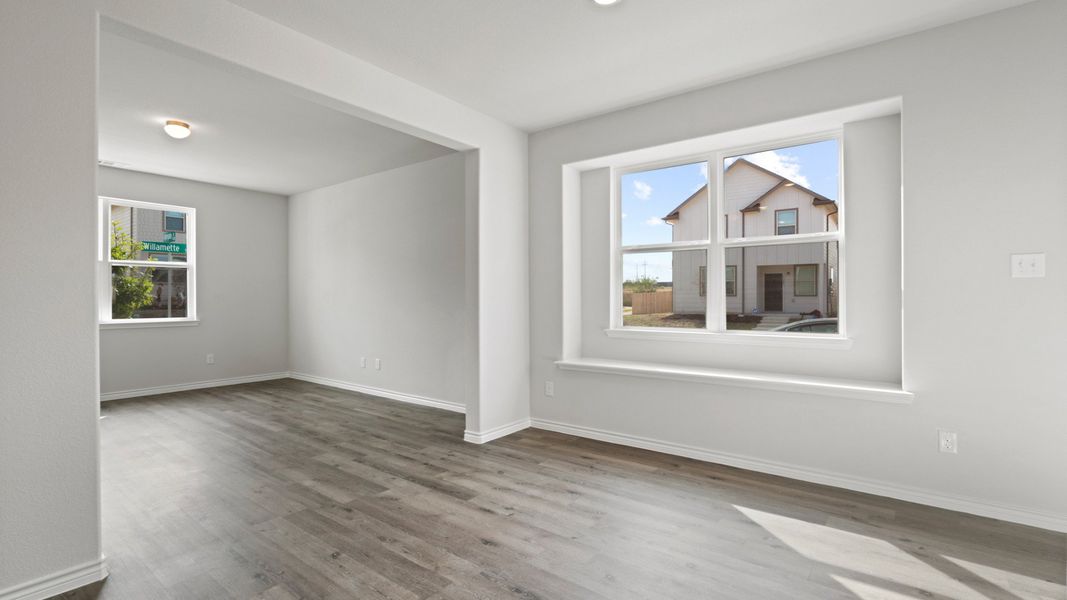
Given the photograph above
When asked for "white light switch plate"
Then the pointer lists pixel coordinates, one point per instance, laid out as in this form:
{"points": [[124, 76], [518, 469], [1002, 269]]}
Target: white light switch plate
{"points": [[1028, 265]]}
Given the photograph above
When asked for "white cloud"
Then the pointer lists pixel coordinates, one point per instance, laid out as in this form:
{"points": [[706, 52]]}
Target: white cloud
{"points": [[704, 171], [654, 221], [642, 191], [624, 215], [786, 165]]}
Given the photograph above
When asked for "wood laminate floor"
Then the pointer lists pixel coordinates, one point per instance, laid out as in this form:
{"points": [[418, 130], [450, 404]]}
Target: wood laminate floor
{"points": [[286, 489]]}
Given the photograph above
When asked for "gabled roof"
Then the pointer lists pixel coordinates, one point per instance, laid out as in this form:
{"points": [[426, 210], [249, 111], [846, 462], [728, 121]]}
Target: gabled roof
{"points": [[674, 214], [817, 199]]}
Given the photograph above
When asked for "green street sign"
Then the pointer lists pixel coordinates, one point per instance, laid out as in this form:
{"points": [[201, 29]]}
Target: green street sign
{"points": [[168, 247]]}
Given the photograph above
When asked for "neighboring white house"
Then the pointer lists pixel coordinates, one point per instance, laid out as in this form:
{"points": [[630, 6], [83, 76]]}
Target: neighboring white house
{"points": [[791, 278]]}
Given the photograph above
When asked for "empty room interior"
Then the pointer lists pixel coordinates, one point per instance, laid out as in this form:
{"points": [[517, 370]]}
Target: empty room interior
{"points": [[554, 299]]}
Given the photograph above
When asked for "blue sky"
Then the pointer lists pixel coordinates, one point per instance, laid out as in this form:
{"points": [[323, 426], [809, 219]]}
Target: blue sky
{"points": [[648, 196]]}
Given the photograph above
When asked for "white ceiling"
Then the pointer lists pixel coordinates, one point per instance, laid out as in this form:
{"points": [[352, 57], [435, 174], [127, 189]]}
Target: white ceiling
{"points": [[537, 63], [246, 132]]}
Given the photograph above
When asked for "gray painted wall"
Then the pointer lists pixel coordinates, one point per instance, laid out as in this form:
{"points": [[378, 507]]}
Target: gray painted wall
{"points": [[242, 289], [49, 381], [49, 477], [377, 271], [983, 101]]}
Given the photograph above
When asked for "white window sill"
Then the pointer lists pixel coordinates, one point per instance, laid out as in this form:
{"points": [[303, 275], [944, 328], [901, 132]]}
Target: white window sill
{"points": [[768, 338], [143, 323], [821, 386]]}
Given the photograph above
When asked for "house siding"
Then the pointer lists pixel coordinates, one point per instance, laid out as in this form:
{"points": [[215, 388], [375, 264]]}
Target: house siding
{"points": [[810, 218], [744, 184]]}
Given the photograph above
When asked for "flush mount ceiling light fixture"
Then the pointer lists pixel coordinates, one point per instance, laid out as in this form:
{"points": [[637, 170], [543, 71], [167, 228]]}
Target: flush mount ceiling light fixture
{"points": [[606, 2], [176, 129]]}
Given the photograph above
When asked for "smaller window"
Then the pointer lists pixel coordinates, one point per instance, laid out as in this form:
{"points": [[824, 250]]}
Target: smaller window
{"points": [[173, 222], [785, 222], [151, 271], [806, 280], [731, 280]]}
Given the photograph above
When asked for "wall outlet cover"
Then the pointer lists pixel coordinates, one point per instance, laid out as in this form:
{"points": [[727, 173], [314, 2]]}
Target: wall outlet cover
{"points": [[947, 441]]}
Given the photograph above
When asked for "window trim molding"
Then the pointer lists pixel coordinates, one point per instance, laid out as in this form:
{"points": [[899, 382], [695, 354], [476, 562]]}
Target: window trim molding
{"points": [[148, 323], [104, 264], [892, 393], [718, 241]]}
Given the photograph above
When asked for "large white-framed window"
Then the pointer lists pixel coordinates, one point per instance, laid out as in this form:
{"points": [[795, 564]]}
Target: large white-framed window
{"points": [[147, 263], [751, 243]]}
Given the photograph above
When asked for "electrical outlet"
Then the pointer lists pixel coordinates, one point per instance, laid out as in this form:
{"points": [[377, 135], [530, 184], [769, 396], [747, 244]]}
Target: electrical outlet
{"points": [[210, 359], [363, 362], [946, 441], [550, 389], [378, 364]]}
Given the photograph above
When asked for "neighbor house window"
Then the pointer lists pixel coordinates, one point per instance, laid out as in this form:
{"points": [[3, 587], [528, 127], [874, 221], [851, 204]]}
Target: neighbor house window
{"points": [[807, 281], [785, 222], [147, 262], [173, 221], [731, 252]]}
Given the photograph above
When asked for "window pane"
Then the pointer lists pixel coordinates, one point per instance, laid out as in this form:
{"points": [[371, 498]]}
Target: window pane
{"points": [[148, 292], [663, 289], [786, 191], [806, 282], [665, 205], [731, 280], [147, 234], [174, 221], [784, 287], [785, 221]]}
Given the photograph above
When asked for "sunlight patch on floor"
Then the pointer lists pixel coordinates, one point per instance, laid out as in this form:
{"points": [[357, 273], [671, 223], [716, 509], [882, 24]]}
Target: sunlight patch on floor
{"points": [[860, 554], [1021, 585], [866, 591]]}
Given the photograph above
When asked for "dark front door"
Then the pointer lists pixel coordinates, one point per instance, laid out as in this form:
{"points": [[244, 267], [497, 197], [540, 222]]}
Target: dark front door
{"points": [[772, 292]]}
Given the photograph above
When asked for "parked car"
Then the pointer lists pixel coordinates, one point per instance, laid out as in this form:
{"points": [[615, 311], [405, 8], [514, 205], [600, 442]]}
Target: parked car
{"points": [[810, 326]]}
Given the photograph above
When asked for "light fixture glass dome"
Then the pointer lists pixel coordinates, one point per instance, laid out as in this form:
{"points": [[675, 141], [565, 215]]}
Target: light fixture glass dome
{"points": [[178, 130]]}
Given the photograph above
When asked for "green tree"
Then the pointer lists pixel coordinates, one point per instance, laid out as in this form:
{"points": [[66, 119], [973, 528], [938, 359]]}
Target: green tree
{"points": [[130, 289], [640, 285]]}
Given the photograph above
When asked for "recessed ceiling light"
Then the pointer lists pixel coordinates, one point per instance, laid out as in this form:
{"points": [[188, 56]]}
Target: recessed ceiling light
{"points": [[606, 2], [178, 130]]}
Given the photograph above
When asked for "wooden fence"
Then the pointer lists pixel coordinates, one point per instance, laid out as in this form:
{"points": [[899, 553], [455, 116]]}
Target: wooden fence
{"points": [[652, 302]]}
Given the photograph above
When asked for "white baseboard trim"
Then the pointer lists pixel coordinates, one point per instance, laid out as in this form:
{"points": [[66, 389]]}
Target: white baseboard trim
{"points": [[1014, 514], [58, 583], [196, 385], [373, 391], [481, 437]]}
